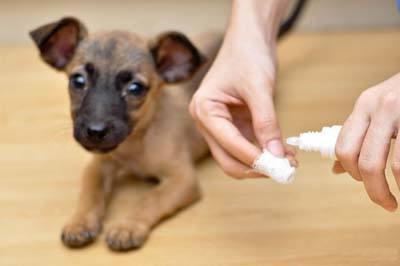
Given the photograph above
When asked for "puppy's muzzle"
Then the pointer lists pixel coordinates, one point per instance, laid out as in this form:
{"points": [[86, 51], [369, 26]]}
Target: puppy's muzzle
{"points": [[99, 136]]}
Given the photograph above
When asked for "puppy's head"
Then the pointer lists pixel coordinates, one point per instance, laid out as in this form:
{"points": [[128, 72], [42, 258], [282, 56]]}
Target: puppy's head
{"points": [[114, 77]]}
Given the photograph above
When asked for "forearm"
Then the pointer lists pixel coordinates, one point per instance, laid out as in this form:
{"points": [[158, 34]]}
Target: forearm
{"points": [[260, 19]]}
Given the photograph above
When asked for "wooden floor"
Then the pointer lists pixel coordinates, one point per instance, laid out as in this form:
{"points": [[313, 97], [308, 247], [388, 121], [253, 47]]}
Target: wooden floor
{"points": [[320, 219]]}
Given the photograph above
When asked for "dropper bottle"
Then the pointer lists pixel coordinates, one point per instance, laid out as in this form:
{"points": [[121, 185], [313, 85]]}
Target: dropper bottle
{"points": [[323, 141]]}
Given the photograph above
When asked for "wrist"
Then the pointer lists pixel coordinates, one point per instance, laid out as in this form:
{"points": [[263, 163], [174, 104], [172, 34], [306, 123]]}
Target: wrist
{"points": [[261, 18]]}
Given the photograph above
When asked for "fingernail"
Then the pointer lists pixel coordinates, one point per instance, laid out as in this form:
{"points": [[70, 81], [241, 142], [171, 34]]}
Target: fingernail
{"points": [[276, 148]]}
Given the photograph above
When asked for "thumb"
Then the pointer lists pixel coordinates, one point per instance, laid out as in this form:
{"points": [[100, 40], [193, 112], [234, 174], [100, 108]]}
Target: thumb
{"points": [[265, 123]]}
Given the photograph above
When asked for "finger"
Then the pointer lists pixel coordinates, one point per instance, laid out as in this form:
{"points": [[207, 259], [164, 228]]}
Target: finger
{"points": [[242, 120], [292, 160], [372, 162], [290, 154], [216, 119], [350, 141], [265, 123], [231, 166], [290, 150], [337, 168], [396, 160]]}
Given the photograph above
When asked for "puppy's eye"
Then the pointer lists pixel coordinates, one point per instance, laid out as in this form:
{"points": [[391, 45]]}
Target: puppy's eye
{"points": [[136, 89], [78, 81]]}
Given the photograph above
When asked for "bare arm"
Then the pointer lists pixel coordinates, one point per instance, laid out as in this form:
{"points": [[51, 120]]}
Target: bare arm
{"points": [[234, 104]]}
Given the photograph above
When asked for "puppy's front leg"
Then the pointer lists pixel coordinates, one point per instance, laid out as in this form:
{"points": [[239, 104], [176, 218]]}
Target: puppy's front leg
{"points": [[86, 223], [177, 190]]}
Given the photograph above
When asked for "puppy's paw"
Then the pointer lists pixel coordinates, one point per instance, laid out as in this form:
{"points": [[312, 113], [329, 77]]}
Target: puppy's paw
{"points": [[127, 235], [80, 233]]}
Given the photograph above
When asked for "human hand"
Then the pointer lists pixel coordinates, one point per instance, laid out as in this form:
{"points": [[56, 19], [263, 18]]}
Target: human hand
{"points": [[364, 142], [234, 105]]}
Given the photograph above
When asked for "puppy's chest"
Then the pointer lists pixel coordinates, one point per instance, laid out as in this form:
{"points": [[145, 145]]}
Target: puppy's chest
{"points": [[132, 164], [139, 160]]}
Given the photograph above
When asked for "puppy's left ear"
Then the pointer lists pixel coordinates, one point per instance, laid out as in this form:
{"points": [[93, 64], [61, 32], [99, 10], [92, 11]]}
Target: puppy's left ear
{"points": [[176, 58]]}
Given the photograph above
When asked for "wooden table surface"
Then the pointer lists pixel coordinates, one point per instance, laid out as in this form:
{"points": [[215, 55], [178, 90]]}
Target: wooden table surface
{"points": [[320, 219]]}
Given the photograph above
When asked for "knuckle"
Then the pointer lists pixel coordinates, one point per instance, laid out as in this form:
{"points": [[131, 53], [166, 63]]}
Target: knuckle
{"points": [[364, 98], [263, 81], [346, 152], [207, 108], [367, 94], [389, 100], [368, 168], [266, 124]]}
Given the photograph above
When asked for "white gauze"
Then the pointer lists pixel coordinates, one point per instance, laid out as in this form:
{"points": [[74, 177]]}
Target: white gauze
{"points": [[279, 169]]}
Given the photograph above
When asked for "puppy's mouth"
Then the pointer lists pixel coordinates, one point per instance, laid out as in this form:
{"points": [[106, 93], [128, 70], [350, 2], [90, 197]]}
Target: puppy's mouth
{"points": [[101, 136], [95, 149], [96, 145]]}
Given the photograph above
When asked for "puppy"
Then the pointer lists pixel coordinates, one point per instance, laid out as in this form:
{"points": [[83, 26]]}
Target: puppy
{"points": [[124, 112]]}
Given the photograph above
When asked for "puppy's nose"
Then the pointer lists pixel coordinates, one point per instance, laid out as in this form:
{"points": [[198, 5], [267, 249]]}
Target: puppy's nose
{"points": [[97, 131]]}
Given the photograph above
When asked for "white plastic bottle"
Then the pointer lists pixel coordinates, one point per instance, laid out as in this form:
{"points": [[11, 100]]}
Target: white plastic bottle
{"points": [[323, 141]]}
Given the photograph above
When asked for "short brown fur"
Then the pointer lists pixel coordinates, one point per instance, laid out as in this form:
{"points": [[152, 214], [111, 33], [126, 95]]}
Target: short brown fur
{"points": [[164, 144]]}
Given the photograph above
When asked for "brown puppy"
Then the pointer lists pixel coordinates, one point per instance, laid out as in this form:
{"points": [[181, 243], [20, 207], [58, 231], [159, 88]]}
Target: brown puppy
{"points": [[134, 124]]}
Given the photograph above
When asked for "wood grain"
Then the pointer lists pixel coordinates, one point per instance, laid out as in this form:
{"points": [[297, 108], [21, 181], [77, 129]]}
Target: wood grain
{"points": [[320, 219]]}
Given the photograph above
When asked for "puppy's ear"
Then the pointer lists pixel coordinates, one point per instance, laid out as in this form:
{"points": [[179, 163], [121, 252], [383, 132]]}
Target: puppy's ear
{"points": [[176, 58], [57, 41]]}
